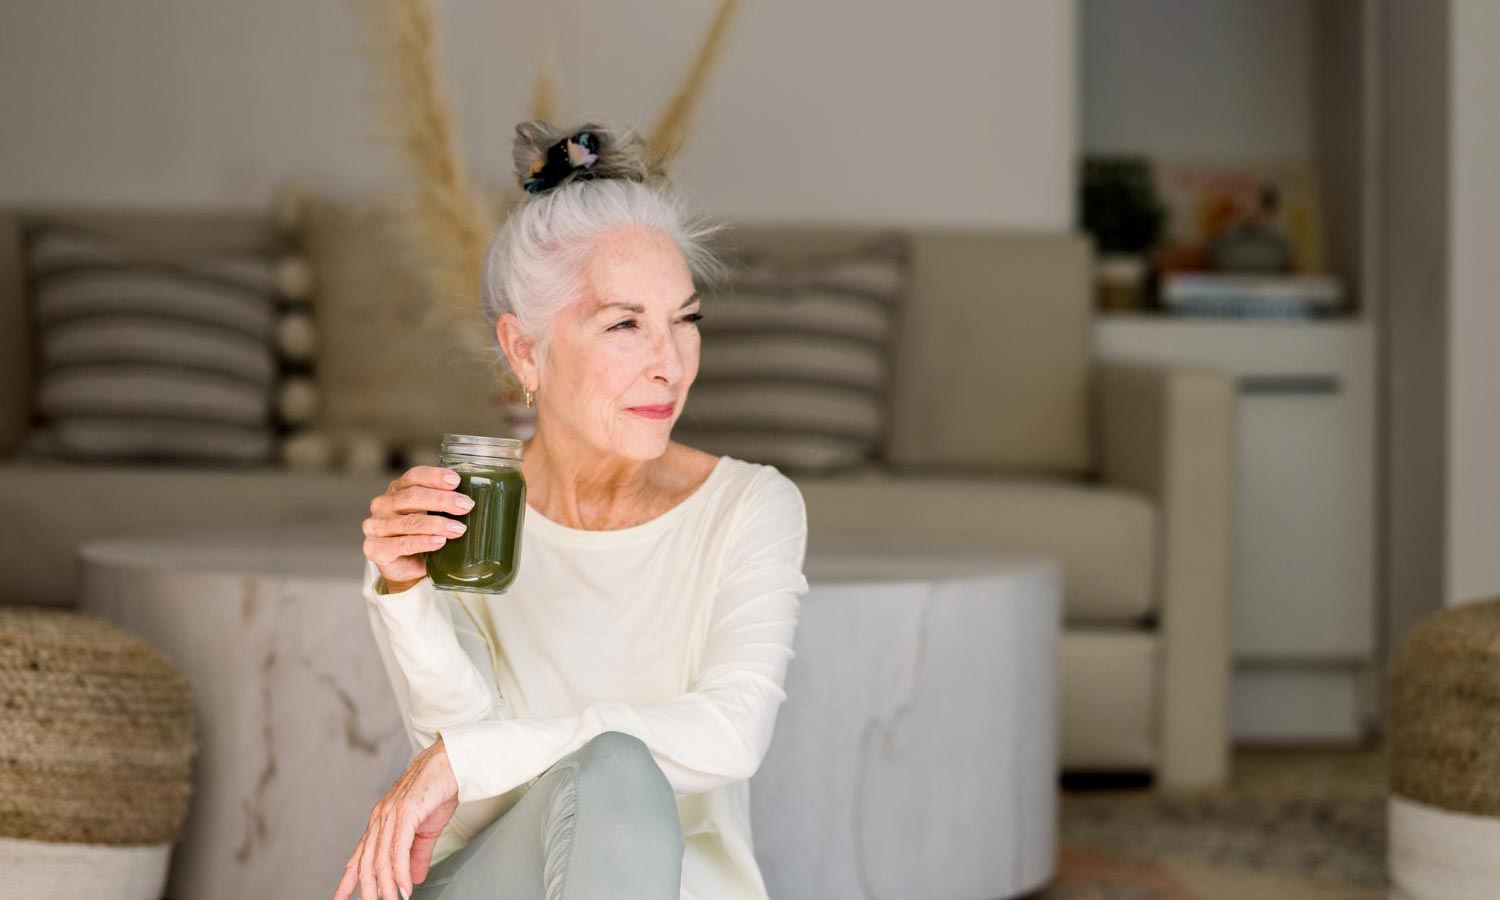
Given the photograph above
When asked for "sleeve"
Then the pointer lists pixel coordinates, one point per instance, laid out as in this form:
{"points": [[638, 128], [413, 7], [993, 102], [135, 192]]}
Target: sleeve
{"points": [[436, 660], [717, 732]]}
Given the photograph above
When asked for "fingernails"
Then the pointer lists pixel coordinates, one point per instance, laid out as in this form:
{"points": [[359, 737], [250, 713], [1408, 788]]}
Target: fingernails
{"points": [[451, 478], [464, 502], [405, 893]]}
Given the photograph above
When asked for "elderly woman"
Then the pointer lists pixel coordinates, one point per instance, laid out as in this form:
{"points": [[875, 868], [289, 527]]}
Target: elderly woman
{"points": [[589, 733]]}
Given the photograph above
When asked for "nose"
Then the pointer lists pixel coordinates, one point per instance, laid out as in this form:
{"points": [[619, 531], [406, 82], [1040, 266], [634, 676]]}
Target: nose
{"points": [[666, 359]]}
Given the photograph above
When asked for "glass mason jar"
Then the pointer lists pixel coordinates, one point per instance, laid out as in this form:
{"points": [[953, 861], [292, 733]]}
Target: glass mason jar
{"points": [[487, 556]]}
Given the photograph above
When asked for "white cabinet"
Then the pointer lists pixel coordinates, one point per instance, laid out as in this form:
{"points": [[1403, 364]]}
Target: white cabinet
{"points": [[1304, 620]]}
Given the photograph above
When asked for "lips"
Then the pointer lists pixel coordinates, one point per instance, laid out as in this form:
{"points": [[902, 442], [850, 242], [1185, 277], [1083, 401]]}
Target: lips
{"points": [[659, 411]]}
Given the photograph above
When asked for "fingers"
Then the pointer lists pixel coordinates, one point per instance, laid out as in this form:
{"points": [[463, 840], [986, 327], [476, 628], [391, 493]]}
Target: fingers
{"points": [[346, 884], [351, 873], [385, 847], [440, 477], [384, 551], [436, 478], [419, 498], [401, 852], [367, 889], [401, 523], [421, 858], [424, 499], [412, 523]]}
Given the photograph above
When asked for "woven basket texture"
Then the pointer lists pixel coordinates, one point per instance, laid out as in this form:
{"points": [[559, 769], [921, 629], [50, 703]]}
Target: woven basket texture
{"points": [[1444, 711], [97, 734]]}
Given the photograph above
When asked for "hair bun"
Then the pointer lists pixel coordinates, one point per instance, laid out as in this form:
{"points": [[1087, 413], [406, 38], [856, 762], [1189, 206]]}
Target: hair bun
{"points": [[546, 157]]}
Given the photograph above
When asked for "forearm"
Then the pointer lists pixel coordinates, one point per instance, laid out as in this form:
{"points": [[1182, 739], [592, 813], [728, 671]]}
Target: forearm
{"points": [[447, 683], [702, 739]]}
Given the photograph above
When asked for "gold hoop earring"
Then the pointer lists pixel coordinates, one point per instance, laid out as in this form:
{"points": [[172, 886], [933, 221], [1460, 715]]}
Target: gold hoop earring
{"points": [[528, 398]]}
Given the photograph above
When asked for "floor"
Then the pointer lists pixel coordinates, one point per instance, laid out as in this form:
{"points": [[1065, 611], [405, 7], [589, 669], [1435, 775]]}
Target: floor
{"points": [[1292, 824]]}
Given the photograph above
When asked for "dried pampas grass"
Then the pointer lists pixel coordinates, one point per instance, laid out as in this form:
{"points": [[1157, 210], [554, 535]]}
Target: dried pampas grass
{"points": [[670, 130], [447, 223]]}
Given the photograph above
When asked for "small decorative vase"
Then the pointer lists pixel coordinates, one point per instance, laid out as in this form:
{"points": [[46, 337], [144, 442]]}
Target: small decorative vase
{"points": [[1121, 279]]}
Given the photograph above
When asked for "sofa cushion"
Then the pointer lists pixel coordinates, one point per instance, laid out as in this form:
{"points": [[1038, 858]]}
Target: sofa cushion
{"points": [[151, 354], [185, 231], [64, 505], [993, 363], [796, 357], [397, 363], [993, 347], [1105, 537]]}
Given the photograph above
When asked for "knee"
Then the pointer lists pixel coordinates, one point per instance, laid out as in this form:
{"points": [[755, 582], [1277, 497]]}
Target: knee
{"points": [[615, 756], [619, 766]]}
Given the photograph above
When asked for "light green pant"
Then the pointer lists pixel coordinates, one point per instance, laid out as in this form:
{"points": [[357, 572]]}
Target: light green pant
{"points": [[601, 822]]}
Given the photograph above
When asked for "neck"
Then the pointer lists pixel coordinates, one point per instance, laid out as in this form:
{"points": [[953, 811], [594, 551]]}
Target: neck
{"points": [[574, 484]]}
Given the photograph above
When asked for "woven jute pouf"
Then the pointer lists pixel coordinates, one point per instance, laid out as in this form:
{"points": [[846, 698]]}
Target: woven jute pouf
{"points": [[1444, 732], [97, 740]]}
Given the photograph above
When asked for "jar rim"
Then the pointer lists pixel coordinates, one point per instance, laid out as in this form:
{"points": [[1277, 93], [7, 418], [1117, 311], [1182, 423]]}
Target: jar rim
{"points": [[481, 439], [481, 446]]}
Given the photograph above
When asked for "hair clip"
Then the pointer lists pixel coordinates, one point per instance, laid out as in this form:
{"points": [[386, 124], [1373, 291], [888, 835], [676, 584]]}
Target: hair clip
{"points": [[572, 153]]}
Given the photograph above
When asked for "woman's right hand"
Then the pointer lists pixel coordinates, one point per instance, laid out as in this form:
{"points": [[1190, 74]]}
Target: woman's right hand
{"points": [[400, 532]]}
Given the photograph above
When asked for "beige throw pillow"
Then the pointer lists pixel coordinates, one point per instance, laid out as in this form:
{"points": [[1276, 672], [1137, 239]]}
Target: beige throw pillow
{"points": [[397, 364], [149, 355], [796, 355]]}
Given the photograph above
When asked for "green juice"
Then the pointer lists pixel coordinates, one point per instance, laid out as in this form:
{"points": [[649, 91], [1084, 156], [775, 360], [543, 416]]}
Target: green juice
{"points": [[487, 556]]}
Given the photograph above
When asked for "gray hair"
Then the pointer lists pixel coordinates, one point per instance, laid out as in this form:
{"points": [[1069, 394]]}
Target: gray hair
{"points": [[534, 265]]}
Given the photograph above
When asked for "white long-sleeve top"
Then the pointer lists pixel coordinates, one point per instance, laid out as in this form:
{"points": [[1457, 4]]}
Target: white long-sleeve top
{"points": [[678, 631]]}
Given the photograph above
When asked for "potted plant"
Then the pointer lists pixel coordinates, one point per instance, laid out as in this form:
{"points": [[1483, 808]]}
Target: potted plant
{"points": [[1123, 214]]}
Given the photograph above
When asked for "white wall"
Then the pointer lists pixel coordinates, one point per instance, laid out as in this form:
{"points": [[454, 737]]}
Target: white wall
{"points": [[1442, 213], [1229, 79], [1249, 80], [1473, 553], [1415, 204], [945, 111]]}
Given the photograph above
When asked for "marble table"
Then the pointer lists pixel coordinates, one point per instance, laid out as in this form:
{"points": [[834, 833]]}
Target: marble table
{"points": [[915, 756]]}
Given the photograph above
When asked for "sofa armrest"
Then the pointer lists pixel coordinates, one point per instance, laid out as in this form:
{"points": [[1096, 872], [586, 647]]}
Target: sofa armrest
{"points": [[1168, 432]]}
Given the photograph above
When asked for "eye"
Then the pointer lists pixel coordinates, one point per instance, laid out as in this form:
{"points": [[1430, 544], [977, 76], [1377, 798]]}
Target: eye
{"points": [[690, 317]]}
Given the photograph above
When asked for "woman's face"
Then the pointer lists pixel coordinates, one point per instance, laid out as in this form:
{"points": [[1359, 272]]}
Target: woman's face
{"points": [[630, 341]]}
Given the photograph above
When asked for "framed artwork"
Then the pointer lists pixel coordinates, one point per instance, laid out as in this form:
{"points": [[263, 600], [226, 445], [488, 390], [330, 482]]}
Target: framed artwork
{"points": [[1207, 200]]}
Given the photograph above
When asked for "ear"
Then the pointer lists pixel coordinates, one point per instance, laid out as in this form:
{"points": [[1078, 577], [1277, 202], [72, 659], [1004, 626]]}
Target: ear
{"points": [[518, 350]]}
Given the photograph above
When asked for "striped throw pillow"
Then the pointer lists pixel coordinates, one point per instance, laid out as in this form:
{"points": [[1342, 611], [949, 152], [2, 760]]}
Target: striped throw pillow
{"points": [[143, 356], [796, 356]]}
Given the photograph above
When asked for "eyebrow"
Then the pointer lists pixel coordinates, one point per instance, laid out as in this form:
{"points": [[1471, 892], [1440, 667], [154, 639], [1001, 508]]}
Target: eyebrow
{"points": [[637, 308]]}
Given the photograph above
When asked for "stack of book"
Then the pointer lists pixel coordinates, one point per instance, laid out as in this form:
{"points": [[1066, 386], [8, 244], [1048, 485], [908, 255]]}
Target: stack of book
{"points": [[1251, 296]]}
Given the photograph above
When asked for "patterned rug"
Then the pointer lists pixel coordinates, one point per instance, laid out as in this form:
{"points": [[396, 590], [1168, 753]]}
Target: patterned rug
{"points": [[1304, 824]]}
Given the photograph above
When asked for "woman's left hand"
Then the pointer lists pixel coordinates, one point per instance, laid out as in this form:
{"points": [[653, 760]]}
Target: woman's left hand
{"points": [[403, 828]]}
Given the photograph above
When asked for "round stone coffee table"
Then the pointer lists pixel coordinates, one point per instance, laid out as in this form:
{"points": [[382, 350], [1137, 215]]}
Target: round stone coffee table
{"points": [[915, 755], [916, 752]]}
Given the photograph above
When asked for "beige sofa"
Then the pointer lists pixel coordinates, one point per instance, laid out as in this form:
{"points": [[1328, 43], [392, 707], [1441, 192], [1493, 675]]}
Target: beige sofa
{"points": [[1002, 431]]}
